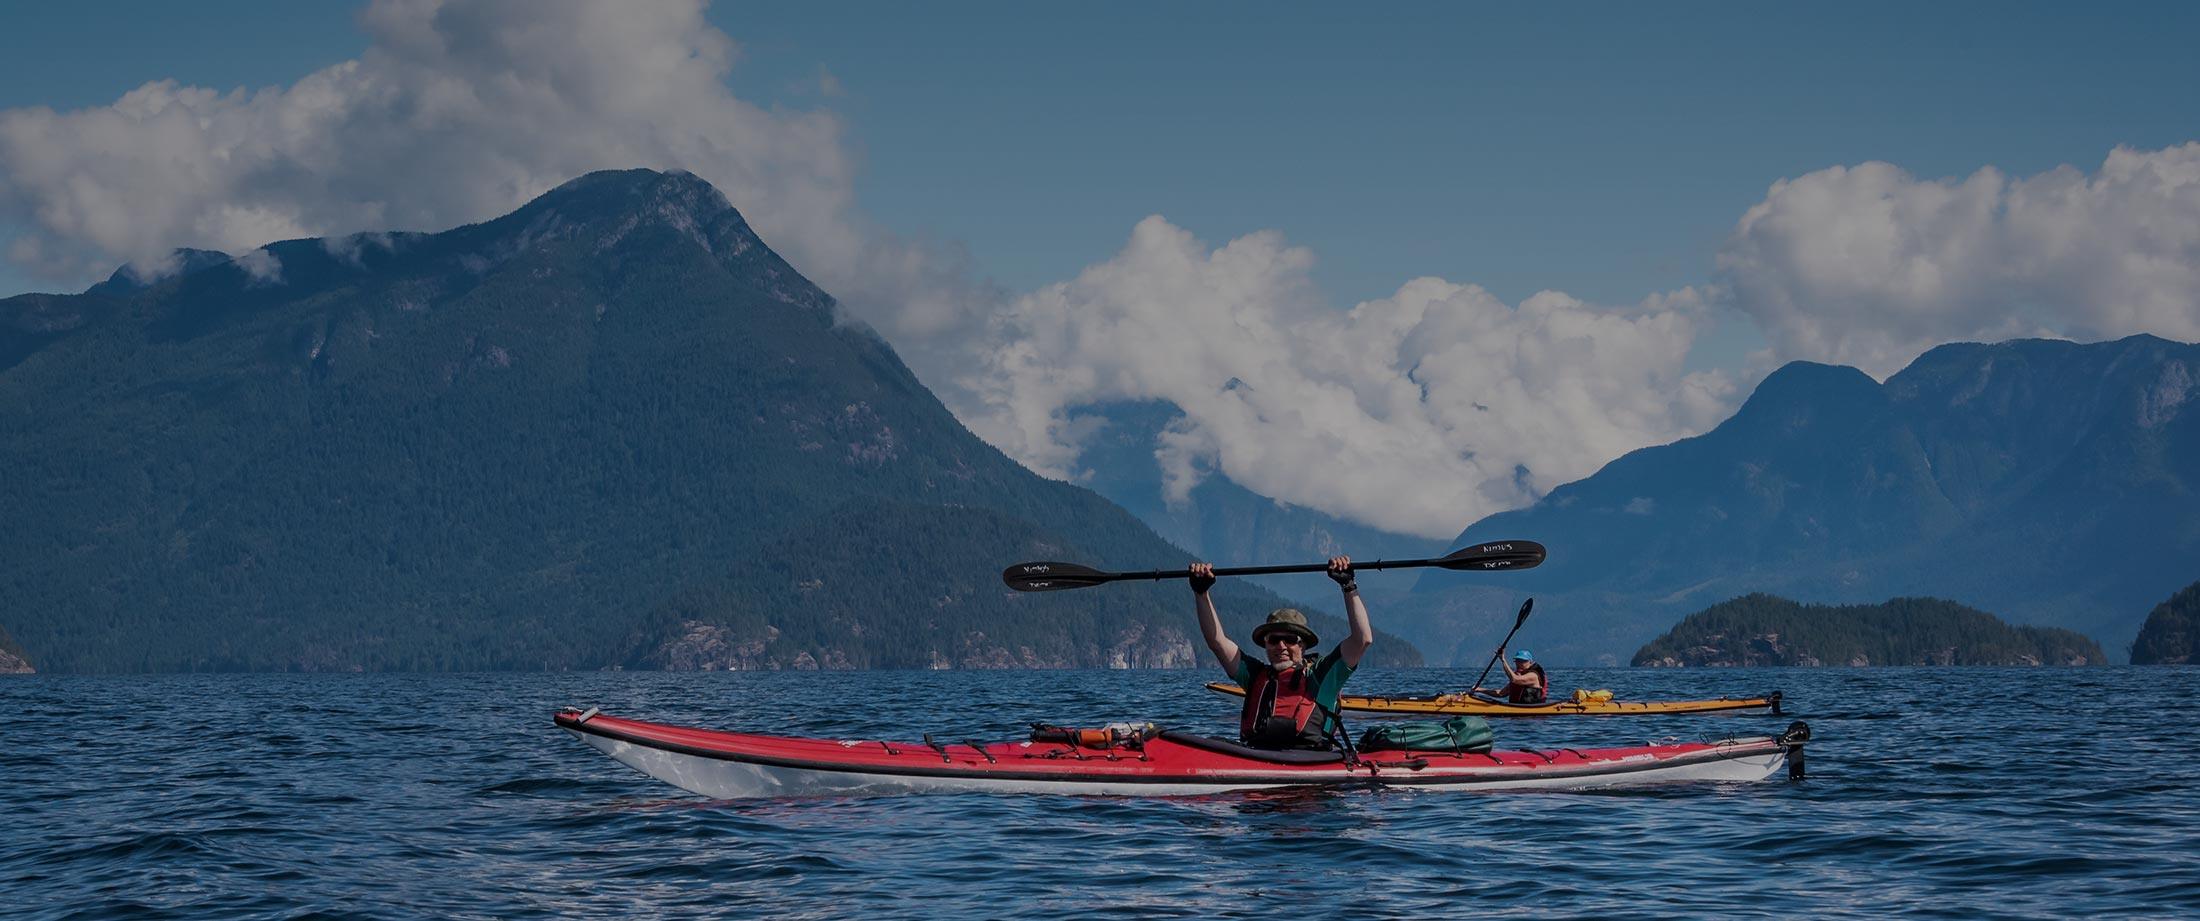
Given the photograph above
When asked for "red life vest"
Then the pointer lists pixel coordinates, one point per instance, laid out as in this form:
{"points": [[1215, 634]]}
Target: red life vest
{"points": [[1279, 708]]}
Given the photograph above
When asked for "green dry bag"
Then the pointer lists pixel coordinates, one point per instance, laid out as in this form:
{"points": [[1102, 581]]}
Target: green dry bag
{"points": [[1458, 734]]}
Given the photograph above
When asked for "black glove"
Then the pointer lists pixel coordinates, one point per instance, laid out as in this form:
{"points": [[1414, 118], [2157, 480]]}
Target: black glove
{"points": [[1344, 579], [1200, 583]]}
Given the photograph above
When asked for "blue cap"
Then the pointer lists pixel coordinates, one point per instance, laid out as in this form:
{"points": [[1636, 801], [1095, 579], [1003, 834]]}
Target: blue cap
{"points": [[1520, 655]]}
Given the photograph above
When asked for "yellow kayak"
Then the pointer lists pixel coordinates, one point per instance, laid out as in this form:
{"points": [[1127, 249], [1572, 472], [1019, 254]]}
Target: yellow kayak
{"points": [[1583, 703]]}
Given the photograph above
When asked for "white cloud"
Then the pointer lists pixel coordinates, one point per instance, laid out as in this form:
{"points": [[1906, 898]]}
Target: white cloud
{"points": [[1870, 266], [1415, 413], [457, 112], [262, 267]]}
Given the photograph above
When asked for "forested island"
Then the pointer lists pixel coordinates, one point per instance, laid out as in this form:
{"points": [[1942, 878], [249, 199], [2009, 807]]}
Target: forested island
{"points": [[1761, 629], [2171, 635]]}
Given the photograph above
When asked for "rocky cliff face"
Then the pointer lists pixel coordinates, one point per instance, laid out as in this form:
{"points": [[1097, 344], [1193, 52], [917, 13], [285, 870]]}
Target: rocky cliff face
{"points": [[12, 661]]}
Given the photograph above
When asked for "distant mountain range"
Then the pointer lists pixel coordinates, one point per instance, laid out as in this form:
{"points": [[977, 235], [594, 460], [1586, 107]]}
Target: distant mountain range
{"points": [[1221, 520], [1762, 630], [610, 429], [614, 428], [2053, 483]]}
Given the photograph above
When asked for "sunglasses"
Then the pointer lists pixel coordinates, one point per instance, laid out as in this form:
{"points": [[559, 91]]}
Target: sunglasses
{"points": [[1284, 638]]}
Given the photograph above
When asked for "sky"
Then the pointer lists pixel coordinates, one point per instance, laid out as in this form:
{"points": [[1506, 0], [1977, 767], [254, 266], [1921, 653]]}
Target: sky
{"points": [[1481, 248]]}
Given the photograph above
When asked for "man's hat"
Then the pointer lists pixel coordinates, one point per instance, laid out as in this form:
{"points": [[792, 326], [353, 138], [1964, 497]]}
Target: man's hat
{"points": [[1288, 620]]}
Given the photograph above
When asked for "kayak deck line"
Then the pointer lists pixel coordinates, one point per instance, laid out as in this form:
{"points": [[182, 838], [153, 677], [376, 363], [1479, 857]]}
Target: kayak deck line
{"points": [[1469, 705], [1171, 762]]}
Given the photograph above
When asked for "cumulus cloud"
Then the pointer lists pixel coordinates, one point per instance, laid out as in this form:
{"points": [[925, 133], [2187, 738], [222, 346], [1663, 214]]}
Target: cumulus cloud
{"points": [[262, 267], [1418, 412], [1870, 266], [459, 110]]}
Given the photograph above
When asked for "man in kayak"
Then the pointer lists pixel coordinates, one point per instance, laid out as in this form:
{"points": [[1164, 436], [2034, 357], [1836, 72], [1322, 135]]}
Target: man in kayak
{"points": [[1291, 699], [1525, 681]]}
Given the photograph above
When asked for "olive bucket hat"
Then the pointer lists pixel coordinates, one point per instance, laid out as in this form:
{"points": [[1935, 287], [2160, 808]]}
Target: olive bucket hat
{"points": [[1288, 620]]}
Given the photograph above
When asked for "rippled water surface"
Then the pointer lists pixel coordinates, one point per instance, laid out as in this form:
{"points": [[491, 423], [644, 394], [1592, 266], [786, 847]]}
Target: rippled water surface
{"points": [[1947, 792]]}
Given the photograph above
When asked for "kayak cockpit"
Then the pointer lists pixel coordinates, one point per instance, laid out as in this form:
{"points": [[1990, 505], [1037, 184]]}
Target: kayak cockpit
{"points": [[1249, 753]]}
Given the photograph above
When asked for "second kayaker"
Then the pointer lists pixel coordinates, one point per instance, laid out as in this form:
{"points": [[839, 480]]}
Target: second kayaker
{"points": [[1525, 682], [1291, 699]]}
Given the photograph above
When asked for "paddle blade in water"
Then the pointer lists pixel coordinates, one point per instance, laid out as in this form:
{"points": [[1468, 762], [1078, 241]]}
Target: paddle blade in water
{"points": [[1051, 577], [1495, 555]]}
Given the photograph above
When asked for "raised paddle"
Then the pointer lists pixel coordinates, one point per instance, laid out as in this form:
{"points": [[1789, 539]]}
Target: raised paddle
{"points": [[1487, 557], [1525, 606]]}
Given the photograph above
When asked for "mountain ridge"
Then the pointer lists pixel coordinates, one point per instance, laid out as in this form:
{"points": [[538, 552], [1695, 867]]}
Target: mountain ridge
{"points": [[570, 437], [2055, 482]]}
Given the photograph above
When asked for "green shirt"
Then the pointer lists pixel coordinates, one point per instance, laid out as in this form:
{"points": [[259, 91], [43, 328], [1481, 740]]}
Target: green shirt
{"points": [[1327, 678]]}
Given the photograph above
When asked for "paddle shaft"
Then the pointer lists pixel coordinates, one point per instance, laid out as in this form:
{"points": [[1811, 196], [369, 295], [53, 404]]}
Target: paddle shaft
{"points": [[1158, 574], [1046, 576]]}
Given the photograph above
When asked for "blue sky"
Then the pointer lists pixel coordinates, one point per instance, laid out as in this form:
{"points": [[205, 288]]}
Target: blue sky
{"points": [[1027, 198], [1604, 150]]}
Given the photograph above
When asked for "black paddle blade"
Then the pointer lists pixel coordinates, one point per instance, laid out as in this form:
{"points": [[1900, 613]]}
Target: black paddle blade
{"points": [[1495, 555], [1051, 577], [1525, 607]]}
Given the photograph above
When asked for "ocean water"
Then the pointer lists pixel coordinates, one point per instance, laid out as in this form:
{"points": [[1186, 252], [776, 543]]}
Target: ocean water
{"points": [[1963, 793]]}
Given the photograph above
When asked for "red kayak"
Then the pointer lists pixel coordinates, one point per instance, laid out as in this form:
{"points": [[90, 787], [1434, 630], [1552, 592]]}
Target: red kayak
{"points": [[729, 765]]}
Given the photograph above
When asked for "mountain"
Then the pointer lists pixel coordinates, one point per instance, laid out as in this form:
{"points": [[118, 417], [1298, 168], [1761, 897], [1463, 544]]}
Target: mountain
{"points": [[610, 429], [2056, 483], [2171, 634], [1760, 630], [1220, 520]]}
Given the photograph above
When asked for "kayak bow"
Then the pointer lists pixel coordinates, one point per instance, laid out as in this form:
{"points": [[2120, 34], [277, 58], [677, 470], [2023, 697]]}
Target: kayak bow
{"points": [[1465, 705], [731, 765]]}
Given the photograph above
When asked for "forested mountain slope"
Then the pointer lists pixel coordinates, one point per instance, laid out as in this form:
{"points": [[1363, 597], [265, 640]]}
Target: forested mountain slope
{"points": [[612, 428]]}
